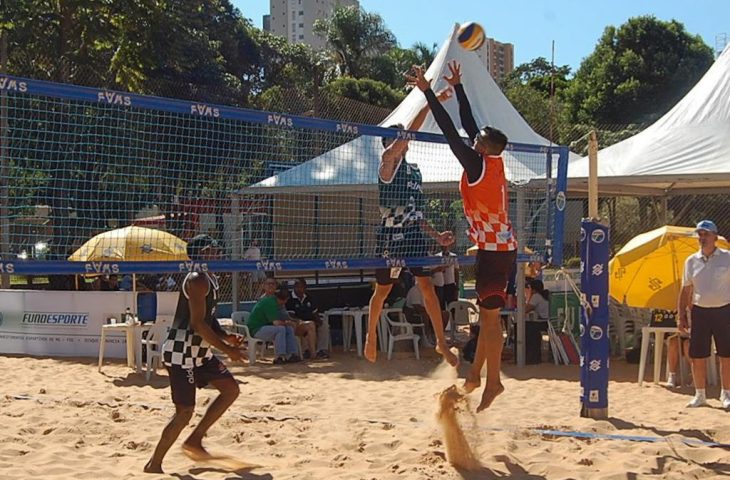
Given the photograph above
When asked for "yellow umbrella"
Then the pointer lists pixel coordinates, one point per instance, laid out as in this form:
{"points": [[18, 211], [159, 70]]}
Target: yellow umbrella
{"points": [[132, 244], [647, 271]]}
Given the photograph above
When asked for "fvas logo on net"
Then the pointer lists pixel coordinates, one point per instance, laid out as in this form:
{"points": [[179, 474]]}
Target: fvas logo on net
{"points": [[114, 98], [12, 85], [101, 267], [204, 110], [280, 120]]}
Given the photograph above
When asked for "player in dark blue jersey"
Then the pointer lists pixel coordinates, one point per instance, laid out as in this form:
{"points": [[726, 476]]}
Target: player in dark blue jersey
{"points": [[404, 232]]}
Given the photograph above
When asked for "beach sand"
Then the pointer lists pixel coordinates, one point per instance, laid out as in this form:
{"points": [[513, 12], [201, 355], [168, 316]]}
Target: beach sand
{"points": [[348, 419]]}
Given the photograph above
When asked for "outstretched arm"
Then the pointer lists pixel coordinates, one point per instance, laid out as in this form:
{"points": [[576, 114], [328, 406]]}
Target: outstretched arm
{"points": [[465, 113], [470, 160], [397, 150]]}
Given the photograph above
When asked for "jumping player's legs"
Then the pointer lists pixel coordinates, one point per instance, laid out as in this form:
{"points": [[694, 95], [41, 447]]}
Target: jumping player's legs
{"points": [[493, 270], [383, 285], [431, 302]]}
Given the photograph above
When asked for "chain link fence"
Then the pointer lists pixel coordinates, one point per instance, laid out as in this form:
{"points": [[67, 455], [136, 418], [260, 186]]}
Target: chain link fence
{"points": [[627, 215]]}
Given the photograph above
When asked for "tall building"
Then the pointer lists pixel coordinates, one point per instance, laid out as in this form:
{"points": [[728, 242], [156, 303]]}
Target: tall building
{"points": [[294, 19], [498, 57]]}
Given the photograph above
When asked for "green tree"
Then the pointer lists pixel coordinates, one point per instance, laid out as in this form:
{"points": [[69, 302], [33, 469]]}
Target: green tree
{"points": [[536, 90], [278, 63], [356, 38], [371, 92], [540, 75], [390, 68], [637, 72]]}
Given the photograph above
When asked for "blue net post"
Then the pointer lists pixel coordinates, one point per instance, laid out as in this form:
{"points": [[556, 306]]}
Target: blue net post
{"points": [[594, 321]]}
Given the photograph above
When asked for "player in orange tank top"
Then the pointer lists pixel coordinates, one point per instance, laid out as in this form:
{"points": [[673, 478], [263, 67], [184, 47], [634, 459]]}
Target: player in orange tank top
{"points": [[484, 191]]}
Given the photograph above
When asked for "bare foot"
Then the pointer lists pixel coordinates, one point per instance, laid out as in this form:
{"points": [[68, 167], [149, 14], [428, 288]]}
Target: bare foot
{"points": [[448, 355], [491, 391], [153, 467], [196, 451], [371, 351], [472, 382]]}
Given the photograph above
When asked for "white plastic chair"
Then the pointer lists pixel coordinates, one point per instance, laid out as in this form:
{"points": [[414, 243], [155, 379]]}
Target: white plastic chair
{"points": [[239, 324], [401, 330], [460, 313], [155, 337]]}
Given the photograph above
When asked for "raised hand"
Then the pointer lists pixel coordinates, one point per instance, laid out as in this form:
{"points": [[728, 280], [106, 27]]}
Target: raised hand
{"points": [[445, 94], [455, 69], [418, 78]]}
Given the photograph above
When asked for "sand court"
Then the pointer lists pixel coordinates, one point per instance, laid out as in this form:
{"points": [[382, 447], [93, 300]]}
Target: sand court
{"points": [[348, 419]]}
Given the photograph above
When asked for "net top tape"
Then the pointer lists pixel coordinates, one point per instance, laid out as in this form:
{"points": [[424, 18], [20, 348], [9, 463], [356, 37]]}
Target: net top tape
{"points": [[103, 96]]}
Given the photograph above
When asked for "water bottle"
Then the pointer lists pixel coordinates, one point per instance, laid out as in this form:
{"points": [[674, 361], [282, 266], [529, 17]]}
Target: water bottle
{"points": [[128, 316]]}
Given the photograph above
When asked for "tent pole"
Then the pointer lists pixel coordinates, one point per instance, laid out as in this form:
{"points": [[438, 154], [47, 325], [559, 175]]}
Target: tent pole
{"points": [[592, 175], [134, 295], [520, 279]]}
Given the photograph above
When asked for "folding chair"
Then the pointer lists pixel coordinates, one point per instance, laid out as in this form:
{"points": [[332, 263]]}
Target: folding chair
{"points": [[155, 337], [239, 325], [399, 331], [460, 313]]}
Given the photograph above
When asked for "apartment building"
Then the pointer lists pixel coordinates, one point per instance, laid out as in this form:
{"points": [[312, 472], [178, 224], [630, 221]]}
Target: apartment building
{"points": [[294, 19]]}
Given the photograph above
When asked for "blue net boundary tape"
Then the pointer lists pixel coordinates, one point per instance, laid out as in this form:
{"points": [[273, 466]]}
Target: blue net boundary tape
{"points": [[29, 267]]}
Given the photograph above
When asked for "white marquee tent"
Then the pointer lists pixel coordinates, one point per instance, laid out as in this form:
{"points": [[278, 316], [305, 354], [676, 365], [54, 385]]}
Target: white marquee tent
{"points": [[355, 163], [686, 151]]}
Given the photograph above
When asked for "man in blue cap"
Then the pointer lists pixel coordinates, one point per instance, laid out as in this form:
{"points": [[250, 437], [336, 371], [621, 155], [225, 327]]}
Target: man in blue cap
{"points": [[706, 294]]}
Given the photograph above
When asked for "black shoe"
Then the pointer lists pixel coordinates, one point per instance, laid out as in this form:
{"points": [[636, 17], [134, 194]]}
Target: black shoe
{"points": [[322, 355], [280, 361], [293, 359], [307, 355]]}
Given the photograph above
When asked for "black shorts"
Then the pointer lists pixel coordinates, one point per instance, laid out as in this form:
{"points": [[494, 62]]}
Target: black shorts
{"points": [[709, 323], [183, 381], [447, 294], [389, 276], [493, 270], [398, 243]]}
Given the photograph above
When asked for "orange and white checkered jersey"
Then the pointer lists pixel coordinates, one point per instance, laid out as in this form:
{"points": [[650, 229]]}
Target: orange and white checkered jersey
{"points": [[485, 206]]}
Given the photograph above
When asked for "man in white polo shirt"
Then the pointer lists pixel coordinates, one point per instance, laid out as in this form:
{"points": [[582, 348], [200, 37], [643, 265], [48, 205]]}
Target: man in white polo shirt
{"points": [[706, 291]]}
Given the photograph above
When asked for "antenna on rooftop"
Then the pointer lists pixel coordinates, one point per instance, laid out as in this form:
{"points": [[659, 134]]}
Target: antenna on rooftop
{"points": [[720, 42]]}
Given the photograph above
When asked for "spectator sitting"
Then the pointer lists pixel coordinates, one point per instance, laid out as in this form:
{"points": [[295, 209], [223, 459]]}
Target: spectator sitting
{"points": [[126, 283], [265, 324], [415, 312], [673, 355], [301, 305], [537, 302], [307, 331], [110, 284]]}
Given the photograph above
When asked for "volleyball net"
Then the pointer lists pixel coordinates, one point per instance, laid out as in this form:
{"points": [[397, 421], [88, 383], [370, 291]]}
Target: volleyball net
{"points": [[141, 175]]}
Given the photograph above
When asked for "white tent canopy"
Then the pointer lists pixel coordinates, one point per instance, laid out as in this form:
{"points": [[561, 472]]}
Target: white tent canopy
{"points": [[356, 162], [687, 149]]}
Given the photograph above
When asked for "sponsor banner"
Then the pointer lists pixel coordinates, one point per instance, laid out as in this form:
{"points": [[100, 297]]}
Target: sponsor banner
{"points": [[594, 323], [66, 323]]}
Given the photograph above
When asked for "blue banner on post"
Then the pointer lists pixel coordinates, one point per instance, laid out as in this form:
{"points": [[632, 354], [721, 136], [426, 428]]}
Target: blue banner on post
{"points": [[594, 344]]}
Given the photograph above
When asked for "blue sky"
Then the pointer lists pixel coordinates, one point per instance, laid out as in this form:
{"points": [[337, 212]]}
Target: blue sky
{"points": [[531, 25]]}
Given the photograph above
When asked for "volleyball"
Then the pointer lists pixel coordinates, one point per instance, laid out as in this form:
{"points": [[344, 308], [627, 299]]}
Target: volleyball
{"points": [[471, 36]]}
